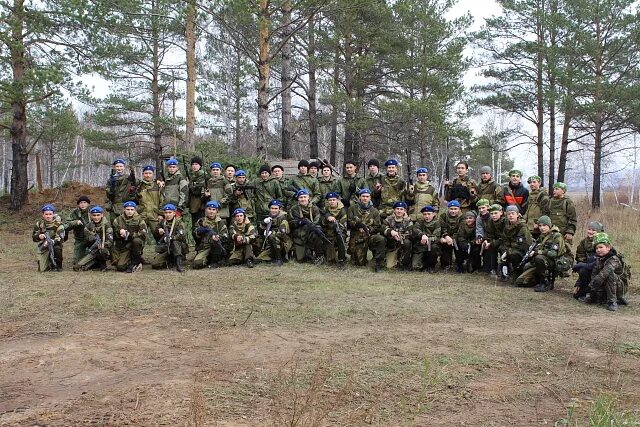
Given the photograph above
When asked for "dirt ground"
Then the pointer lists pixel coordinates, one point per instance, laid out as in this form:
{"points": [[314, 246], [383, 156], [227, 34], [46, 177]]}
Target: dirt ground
{"points": [[300, 345]]}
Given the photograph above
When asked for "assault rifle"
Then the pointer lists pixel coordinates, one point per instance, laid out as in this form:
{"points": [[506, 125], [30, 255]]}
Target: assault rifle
{"points": [[527, 255], [213, 232], [339, 237], [315, 229], [48, 244], [166, 236], [96, 246]]}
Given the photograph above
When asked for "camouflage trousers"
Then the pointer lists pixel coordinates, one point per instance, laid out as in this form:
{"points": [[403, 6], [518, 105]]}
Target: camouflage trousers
{"points": [[398, 252], [276, 248], [534, 271], [165, 258], [210, 255], [129, 253], [336, 251], [306, 245], [79, 249], [241, 253], [360, 245], [422, 257], [97, 258], [44, 258]]}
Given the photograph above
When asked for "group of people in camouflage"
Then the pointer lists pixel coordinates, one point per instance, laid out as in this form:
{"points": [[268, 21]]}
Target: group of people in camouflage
{"points": [[509, 232]]}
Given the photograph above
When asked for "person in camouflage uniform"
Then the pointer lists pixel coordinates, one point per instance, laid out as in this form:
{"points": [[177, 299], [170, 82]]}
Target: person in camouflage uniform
{"points": [[120, 188], [175, 189], [488, 189], [288, 193], [537, 204], [449, 225], [562, 212], [170, 235], [129, 235], [304, 220], [314, 167], [76, 221], [350, 184], [334, 225], [99, 237], [373, 181], [212, 238], [421, 194], [468, 252], [197, 186], [149, 198], [328, 184], [264, 190], [515, 193], [230, 174], [425, 236], [605, 281], [586, 259], [49, 226], [242, 233], [238, 194], [462, 189], [482, 221], [278, 240], [516, 240], [542, 259], [397, 230], [215, 191], [494, 231], [305, 181], [393, 188], [363, 222]]}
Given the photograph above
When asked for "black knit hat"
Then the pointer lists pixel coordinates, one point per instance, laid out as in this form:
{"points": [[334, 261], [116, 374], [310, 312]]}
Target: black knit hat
{"points": [[373, 162], [83, 199], [303, 162], [265, 168], [196, 159]]}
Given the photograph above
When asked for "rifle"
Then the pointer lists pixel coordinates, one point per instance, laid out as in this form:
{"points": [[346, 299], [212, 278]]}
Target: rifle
{"points": [[455, 244], [315, 229], [428, 243], [48, 242], [267, 231], [166, 236], [527, 255], [339, 237], [213, 232], [446, 169]]}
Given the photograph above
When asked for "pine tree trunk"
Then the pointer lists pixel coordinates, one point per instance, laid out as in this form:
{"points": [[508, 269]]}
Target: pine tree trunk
{"points": [[333, 138], [564, 145], [540, 99], [263, 79], [285, 81], [155, 94], [313, 120], [190, 37]]}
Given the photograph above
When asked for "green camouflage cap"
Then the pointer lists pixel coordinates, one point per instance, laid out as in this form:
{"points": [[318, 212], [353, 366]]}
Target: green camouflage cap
{"points": [[534, 178], [515, 172], [544, 220], [601, 238], [483, 202], [596, 226], [495, 208], [561, 185]]}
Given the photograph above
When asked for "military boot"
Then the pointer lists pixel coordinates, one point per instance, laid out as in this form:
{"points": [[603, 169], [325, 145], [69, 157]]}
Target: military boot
{"points": [[542, 286], [180, 264]]}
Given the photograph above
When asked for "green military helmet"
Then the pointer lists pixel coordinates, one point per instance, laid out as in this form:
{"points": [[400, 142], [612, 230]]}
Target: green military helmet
{"points": [[601, 238], [544, 220], [483, 202], [534, 178], [561, 185]]}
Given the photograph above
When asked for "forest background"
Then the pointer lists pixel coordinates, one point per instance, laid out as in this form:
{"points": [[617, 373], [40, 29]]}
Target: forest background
{"points": [[550, 84]]}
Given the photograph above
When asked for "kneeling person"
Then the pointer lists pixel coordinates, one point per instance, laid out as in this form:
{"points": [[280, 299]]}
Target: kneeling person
{"points": [[396, 229], [334, 224], [171, 247], [49, 234], [130, 233], [277, 242], [212, 238], [606, 283], [99, 238], [426, 235], [243, 234]]}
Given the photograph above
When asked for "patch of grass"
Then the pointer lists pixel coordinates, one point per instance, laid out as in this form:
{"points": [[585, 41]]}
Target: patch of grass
{"points": [[606, 413], [630, 348]]}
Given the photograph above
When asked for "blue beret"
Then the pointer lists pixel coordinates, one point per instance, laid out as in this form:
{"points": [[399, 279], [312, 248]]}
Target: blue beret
{"points": [[239, 211], [129, 204], [422, 170], [275, 202], [400, 205], [332, 195], [172, 162], [148, 168], [391, 162], [453, 204], [121, 161], [302, 191], [169, 207], [240, 172], [48, 208], [364, 191], [213, 204], [96, 209], [428, 208], [215, 165]]}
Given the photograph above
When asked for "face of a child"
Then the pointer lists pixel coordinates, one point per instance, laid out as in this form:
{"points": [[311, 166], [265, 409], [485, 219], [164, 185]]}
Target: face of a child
{"points": [[512, 217], [373, 169], [129, 211], [482, 210], [239, 218], [454, 211], [119, 168], [83, 205], [216, 172], [326, 172], [428, 216], [230, 172], [558, 192], [96, 217], [169, 214], [172, 169], [496, 215], [470, 220], [399, 212], [211, 212], [350, 168], [534, 184], [365, 198], [332, 202], [264, 175], [591, 232], [47, 216], [392, 170], [277, 172], [195, 167], [602, 249], [544, 228]]}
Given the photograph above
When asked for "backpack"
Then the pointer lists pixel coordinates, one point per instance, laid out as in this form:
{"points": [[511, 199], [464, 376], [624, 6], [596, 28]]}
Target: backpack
{"points": [[624, 277]]}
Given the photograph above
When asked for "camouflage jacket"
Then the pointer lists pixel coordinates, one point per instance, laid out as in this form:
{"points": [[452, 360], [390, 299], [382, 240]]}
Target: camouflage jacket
{"points": [[489, 190], [460, 190], [606, 270], [54, 229], [197, 186], [516, 238], [494, 231], [393, 190], [465, 235], [310, 183], [367, 217], [176, 191], [216, 225], [72, 223], [239, 196], [421, 194], [449, 224], [263, 192], [563, 214], [279, 226], [370, 183], [402, 225], [537, 206], [551, 245], [340, 214], [430, 229], [300, 216], [348, 187], [135, 225], [585, 252], [215, 189], [120, 188], [246, 230], [149, 199], [99, 230]]}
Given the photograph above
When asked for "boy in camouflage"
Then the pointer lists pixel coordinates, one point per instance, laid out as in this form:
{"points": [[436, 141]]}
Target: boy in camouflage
{"points": [[243, 234], [170, 236], [99, 239], [175, 189], [422, 194], [449, 224], [149, 198], [76, 221], [212, 238], [334, 224], [130, 233], [363, 221], [562, 212], [537, 205], [49, 234], [308, 237], [197, 186], [426, 235], [605, 284], [516, 239], [120, 188], [393, 188], [277, 241], [586, 260], [468, 252], [397, 228], [488, 189]]}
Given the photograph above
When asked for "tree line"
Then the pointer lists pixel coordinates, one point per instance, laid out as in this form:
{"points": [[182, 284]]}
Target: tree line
{"points": [[334, 79]]}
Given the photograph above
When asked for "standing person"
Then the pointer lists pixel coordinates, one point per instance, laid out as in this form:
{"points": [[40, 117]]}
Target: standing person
{"points": [[120, 188], [488, 189], [176, 188], [305, 181], [449, 224], [288, 193], [265, 189], [314, 167], [212, 238], [170, 235], [99, 240], [606, 280], [334, 224], [549, 246], [426, 234], [397, 228], [197, 186], [373, 181], [537, 204], [422, 194], [562, 212], [230, 173], [328, 184], [467, 251], [462, 189], [278, 240], [238, 195], [363, 221], [242, 233], [49, 234], [304, 220], [586, 259], [130, 233], [76, 221], [350, 184], [215, 191], [149, 198], [514, 193], [393, 188], [516, 240]]}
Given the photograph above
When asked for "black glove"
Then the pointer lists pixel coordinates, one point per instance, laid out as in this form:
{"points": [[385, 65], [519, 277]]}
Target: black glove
{"points": [[202, 230]]}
